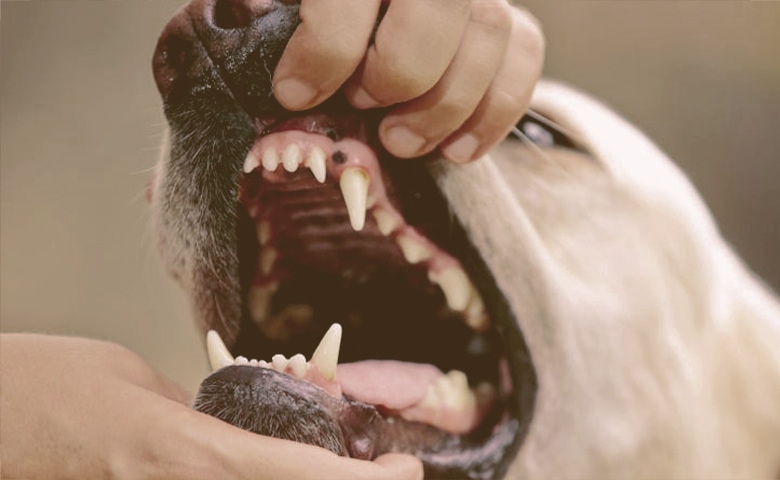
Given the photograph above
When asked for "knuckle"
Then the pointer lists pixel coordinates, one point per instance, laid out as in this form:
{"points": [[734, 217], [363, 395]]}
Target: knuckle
{"points": [[495, 15], [529, 31]]}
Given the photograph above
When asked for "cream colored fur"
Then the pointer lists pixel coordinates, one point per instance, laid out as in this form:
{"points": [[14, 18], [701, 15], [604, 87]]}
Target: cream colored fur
{"points": [[657, 351]]}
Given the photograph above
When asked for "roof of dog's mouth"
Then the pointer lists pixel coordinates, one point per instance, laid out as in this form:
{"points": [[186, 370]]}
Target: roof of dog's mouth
{"points": [[331, 230]]}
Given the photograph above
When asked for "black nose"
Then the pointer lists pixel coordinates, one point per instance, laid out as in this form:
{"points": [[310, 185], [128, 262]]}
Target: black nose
{"points": [[224, 49]]}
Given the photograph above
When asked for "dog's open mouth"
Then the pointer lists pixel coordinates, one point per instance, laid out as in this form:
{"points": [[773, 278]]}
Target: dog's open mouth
{"points": [[328, 229]]}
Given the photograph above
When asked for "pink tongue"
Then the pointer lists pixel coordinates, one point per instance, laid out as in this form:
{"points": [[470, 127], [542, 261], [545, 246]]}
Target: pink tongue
{"points": [[395, 385]]}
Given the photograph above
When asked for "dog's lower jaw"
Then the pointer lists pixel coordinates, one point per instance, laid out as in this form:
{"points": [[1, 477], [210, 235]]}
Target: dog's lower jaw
{"points": [[656, 349]]}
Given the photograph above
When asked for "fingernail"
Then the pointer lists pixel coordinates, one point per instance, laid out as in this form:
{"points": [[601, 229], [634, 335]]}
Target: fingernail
{"points": [[361, 99], [403, 142], [461, 150], [294, 94]]}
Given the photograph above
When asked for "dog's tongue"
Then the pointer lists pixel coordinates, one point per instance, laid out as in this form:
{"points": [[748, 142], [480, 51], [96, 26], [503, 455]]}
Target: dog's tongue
{"points": [[392, 384]]}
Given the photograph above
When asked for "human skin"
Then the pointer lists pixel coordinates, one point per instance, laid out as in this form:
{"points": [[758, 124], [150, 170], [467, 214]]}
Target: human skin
{"points": [[458, 73]]}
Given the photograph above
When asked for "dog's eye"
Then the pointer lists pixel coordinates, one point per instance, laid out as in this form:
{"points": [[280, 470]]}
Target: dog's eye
{"points": [[542, 132]]}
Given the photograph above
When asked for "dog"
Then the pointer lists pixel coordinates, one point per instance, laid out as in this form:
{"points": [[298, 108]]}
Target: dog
{"points": [[592, 321]]}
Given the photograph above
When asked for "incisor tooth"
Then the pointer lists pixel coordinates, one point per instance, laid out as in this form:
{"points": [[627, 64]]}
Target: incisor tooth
{"points": [[279, 362], [354, 188], [413, 250], [385, 221], [326, 356], [297, 365], [291, 157], [251, 162], [316, 163], [270, 159], [242, 360], [455, 285], [219, 355]]}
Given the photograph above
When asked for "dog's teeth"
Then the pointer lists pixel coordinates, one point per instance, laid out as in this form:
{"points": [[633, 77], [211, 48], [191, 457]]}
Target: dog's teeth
{"points": [[316, 163], [354, 188], [267, 258], [385, 221], [251, 162], [291, 157], [263, 231], [297, 365], [451, 391], [242, 360], [259, 301], [270, 159], [413, 250], [455, 285], [264, 364], [279, 362], [326, 356], [476, 317], [254, 362], [219, 355]]}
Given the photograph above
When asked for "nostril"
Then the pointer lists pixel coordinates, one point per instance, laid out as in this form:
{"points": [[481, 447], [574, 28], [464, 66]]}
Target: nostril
{"points": [[233, 14]]}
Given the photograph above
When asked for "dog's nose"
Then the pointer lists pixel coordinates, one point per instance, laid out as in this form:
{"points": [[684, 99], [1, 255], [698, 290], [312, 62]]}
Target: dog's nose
{"points": [[224, 48]]}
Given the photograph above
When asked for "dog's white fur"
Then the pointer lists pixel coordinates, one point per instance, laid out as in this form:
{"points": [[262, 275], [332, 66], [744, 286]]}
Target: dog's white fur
{"points": [[657, 351]]}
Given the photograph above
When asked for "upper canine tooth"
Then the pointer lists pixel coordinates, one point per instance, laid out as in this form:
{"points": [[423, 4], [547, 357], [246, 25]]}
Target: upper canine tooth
{"points": [[270, 159], [219, 355], [326, 356], [413, 250], [316, 163], [455, 285], [251, 162], [354, 188], [291, 157]]}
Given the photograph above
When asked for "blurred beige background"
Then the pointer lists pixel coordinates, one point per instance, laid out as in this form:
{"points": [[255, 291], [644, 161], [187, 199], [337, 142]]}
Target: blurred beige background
{"points": [[81, 122]]}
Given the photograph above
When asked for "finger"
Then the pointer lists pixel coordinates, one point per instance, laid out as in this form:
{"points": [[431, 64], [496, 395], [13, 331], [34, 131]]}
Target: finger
{"points": [[415, 42], [324, 50], [421, 124], [507, 97]]}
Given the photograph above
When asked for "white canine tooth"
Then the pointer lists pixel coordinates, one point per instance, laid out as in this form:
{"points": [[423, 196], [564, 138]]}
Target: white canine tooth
{"points": [[251, 162], [413, 250], [326, 356], [279, 362], [297, 365], [316, 163], [386, 221], [270, 159], [291, 157], [267, 258], [242, 360], [263, 230], [219, 355], [455, 285], [354, 188]]}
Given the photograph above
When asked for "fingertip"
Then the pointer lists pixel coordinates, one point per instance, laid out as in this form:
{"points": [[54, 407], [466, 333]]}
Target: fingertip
{"points": [[402, 466], [295, 94], [462, 150]]}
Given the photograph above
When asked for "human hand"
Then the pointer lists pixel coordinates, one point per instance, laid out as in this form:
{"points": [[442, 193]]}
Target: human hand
{"points": [[459, 72], [78, 408]]}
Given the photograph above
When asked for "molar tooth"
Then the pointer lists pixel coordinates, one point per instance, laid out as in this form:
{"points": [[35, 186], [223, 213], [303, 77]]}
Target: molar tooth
{"points": [[476, 317], [267, 258], [259, 301], [297, 365], [455, 285], [386, 221], [279, 362], [413, 250], [316, 163], [270, 159], [251, 162], [326, 356], [354, 188], [291, 157], [242, 360], [219, 355], [263, 230]]}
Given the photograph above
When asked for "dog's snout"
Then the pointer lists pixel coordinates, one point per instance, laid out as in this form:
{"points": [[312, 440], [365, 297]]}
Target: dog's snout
{"points": [[237, 14]]}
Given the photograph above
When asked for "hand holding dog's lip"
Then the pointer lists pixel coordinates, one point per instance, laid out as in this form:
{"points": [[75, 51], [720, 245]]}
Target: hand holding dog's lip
{"points": [[458, 74]]}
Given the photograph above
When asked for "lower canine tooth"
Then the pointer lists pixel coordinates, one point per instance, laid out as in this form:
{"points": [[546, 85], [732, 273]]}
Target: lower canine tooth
{"points": [[270, 159], [354, 187], [413, 250], [326, 356], [316, 163], [291, 157], [456, 287], [219, 355]]}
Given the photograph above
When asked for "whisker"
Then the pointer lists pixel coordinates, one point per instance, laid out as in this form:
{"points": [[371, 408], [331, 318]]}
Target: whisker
{"points": [[552, 124], [536, 148]]}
